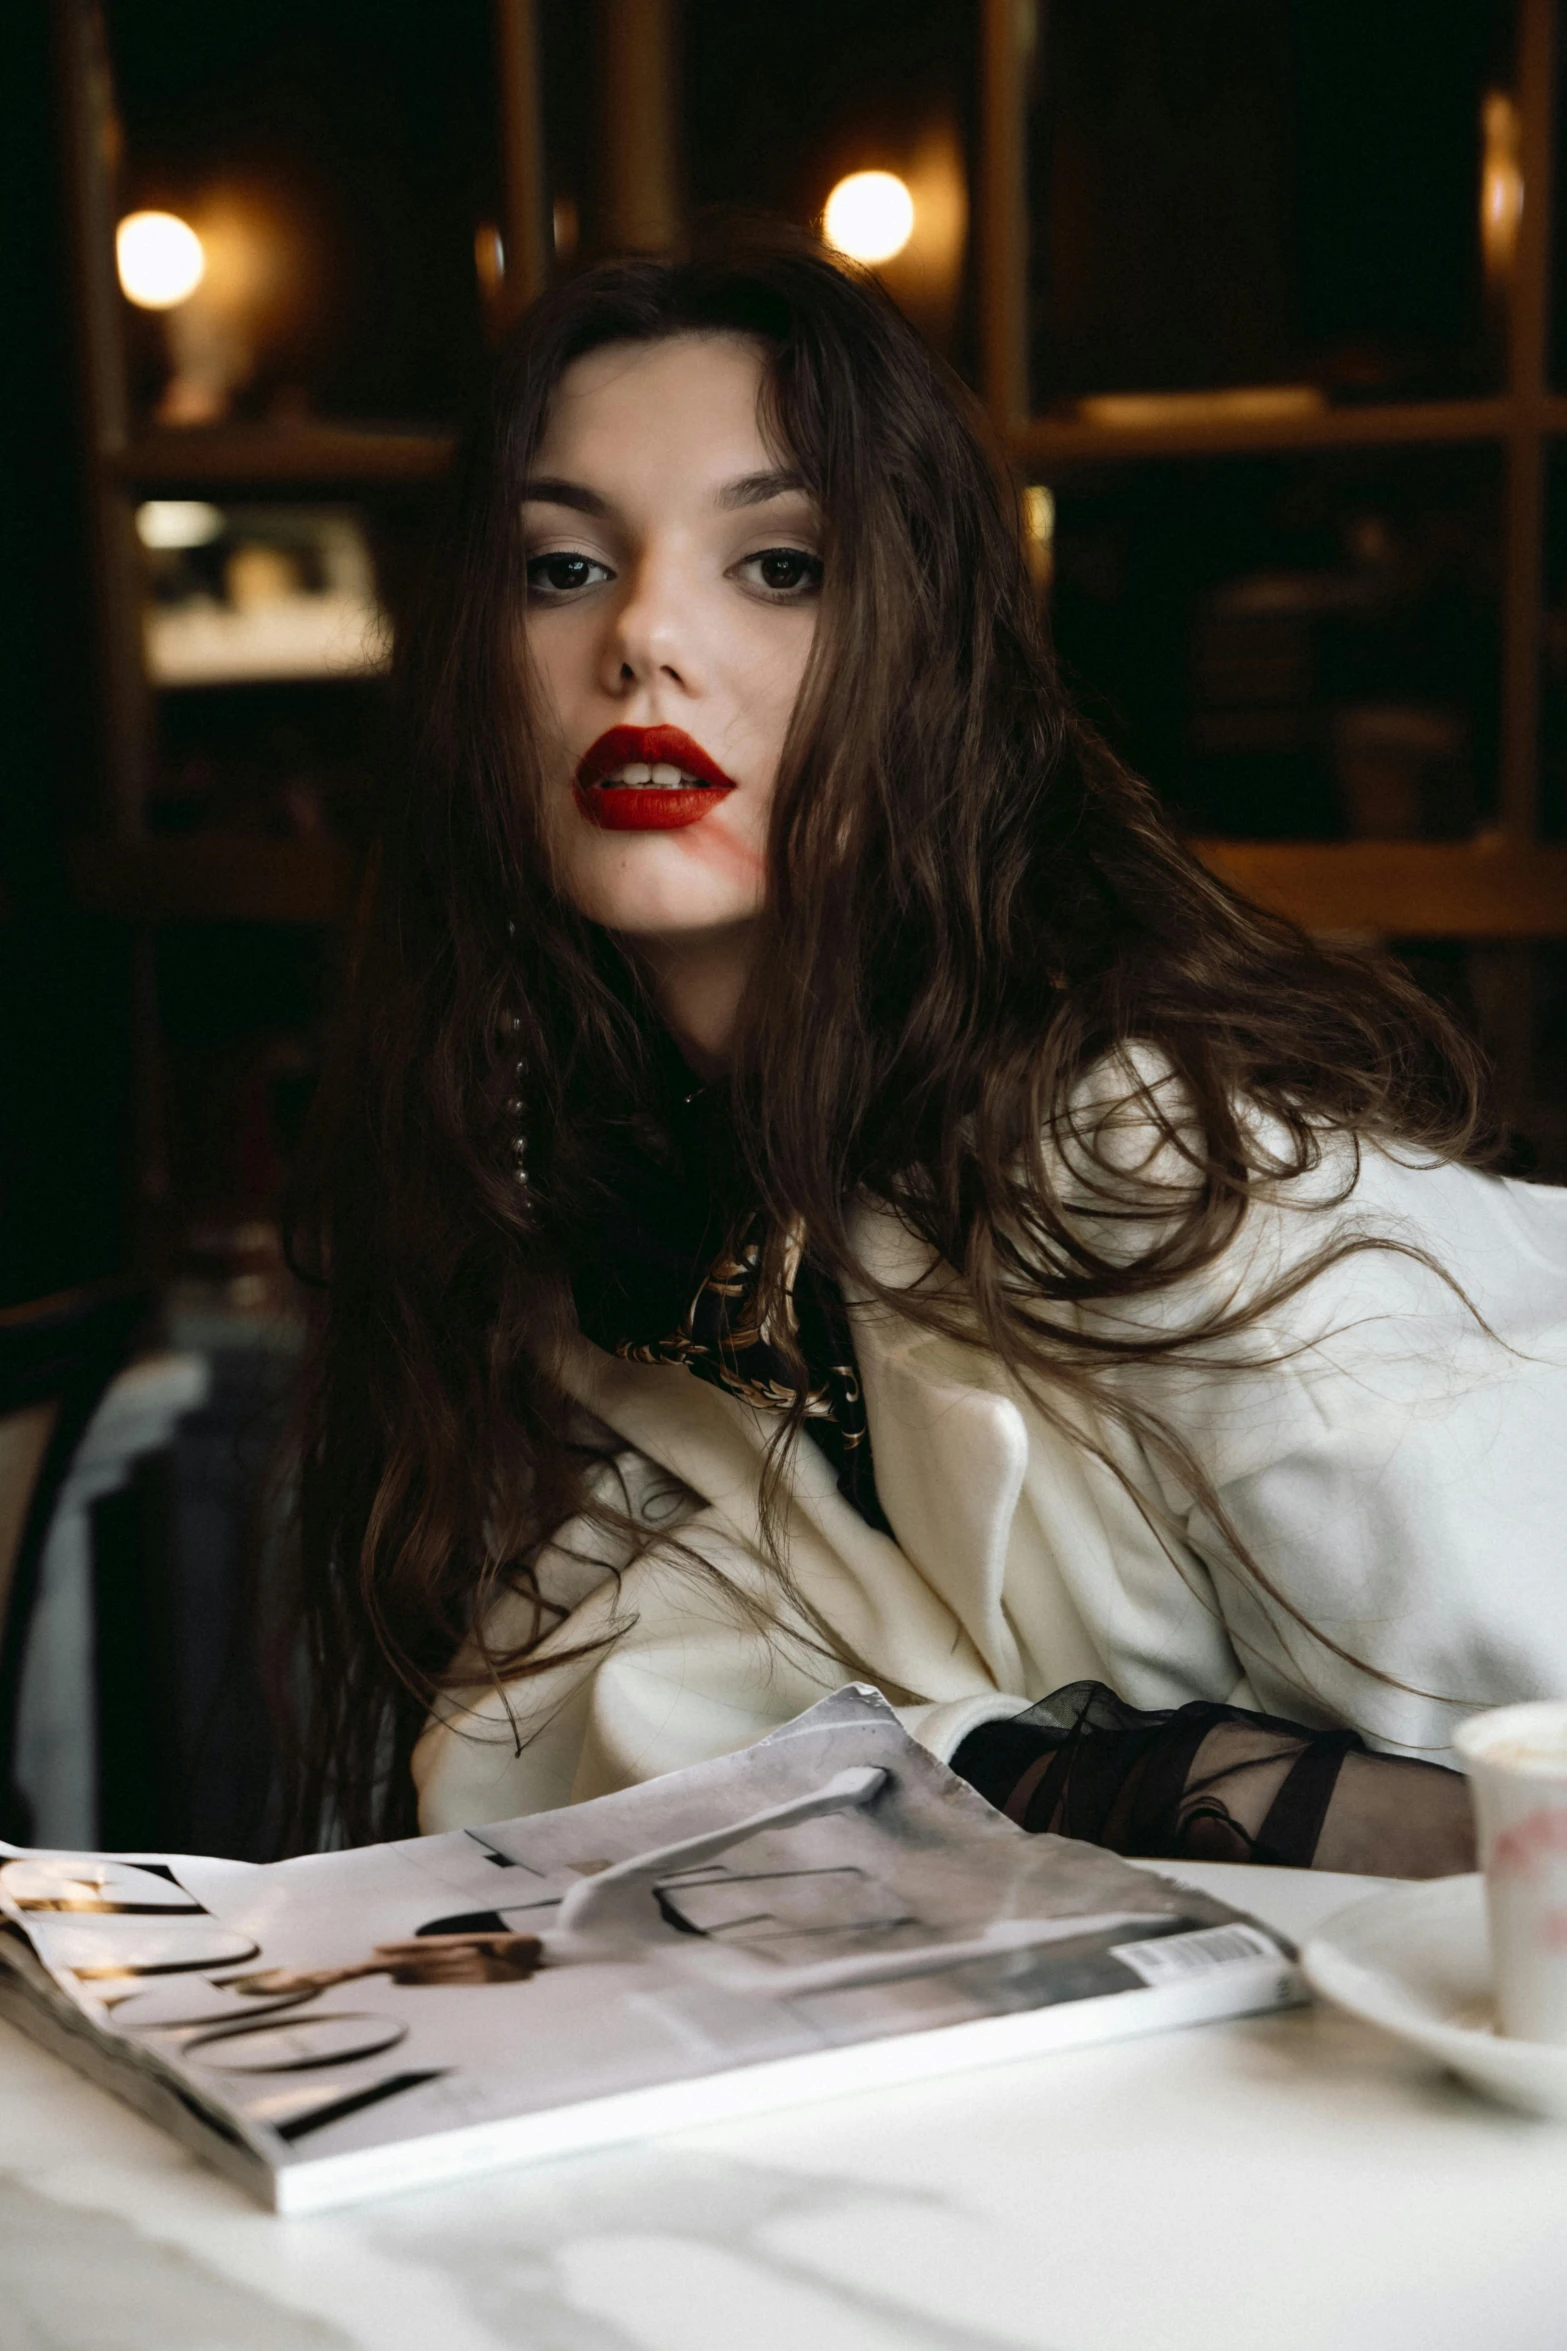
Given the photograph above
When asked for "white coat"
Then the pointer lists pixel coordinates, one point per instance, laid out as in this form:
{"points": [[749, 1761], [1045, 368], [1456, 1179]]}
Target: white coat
{"points": [[1390, 1446]]}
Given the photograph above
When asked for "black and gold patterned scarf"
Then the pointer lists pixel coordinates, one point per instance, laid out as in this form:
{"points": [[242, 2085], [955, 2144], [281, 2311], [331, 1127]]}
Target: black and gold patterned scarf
{"points": [[667, 1269]]}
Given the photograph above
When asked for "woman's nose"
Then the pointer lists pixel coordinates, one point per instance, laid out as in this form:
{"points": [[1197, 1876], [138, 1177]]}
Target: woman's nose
{"points": [[651, 633]]}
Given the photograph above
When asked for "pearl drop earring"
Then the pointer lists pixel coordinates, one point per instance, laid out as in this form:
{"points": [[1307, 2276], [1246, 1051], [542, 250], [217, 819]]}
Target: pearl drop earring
{"points": [[511, 1026], [512, 1107]]}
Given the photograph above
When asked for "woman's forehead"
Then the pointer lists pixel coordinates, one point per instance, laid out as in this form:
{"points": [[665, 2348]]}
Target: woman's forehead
{"points": [[690, 401]]}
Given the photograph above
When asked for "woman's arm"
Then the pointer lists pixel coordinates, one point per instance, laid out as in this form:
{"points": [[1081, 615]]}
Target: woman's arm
{"points": [[1206, 1782], [1368, 1460]]}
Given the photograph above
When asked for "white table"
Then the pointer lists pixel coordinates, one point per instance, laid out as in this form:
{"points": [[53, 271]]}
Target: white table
{"points": [[1284, 2183]]}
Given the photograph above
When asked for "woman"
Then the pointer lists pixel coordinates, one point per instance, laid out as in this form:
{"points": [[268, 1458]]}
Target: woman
{"points": [[819, 1183]]}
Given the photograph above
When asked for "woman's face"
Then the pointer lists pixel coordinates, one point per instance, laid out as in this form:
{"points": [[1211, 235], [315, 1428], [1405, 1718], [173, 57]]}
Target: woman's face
{"points": [[673, 566]]}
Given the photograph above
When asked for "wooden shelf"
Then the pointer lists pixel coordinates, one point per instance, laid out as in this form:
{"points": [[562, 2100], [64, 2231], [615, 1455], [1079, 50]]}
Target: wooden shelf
{"points": [[278, 456], [1483, 889], [1045, 441], [1486, 889], [313, 456], [217, 877]]}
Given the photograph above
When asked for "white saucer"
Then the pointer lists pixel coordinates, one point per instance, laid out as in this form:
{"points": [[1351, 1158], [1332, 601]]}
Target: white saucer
{"points": [[1417, 1962]]}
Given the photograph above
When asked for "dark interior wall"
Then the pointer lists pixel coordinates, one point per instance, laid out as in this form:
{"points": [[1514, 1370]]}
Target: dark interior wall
{"points": [[64, 1013]]}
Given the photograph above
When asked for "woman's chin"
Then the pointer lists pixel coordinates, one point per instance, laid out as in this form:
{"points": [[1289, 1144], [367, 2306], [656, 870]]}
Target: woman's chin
{"points": [[669, 928], [652, 886]]}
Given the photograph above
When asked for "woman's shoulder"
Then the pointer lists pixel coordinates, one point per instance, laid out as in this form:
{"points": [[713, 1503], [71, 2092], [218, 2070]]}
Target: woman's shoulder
{"points": [[1131, 1155], [1132, 1159], [1130, 1134], [1128, 1171]]}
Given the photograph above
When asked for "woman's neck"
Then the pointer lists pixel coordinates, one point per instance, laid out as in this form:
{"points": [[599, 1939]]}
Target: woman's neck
{"points": [[697, 984]]}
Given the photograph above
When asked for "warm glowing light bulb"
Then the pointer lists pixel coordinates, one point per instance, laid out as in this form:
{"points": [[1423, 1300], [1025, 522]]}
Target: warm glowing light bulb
{"points": [[178, 522], [160, 259], [1501, 183], [869, 216], [1039, 532], [1039, 514]]}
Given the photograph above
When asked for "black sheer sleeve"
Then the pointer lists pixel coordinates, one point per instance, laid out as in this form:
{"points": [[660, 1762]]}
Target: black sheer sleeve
{"points": [[1207, 1782]]}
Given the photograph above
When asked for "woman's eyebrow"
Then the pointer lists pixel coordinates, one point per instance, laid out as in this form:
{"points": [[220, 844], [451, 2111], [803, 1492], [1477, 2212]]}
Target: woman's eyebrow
{"points": [[755, 489], [550, 491], [750, 489]]}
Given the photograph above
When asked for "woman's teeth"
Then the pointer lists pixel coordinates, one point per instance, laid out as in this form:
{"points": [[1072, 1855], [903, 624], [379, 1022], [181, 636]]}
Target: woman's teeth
{"points": [[662, 778]]}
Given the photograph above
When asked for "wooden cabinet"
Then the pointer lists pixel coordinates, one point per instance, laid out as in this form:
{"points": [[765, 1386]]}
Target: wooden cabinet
{"points": [[597, 126]]}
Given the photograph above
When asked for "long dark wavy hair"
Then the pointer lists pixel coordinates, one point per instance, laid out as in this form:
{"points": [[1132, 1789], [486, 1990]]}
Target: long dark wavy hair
{"points": [[969, 904]]}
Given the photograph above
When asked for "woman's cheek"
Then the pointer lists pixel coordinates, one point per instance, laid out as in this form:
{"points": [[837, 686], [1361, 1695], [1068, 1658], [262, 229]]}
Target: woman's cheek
{"points": [[737, 849]]}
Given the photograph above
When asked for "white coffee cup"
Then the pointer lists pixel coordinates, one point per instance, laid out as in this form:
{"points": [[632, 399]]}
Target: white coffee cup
{"points": [[1516, 1758]]}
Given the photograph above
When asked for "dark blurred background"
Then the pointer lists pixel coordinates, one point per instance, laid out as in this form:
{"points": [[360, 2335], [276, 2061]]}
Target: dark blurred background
{"points": [[1258, 292]]}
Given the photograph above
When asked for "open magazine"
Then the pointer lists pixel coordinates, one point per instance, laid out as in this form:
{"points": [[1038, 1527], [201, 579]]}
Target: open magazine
{"points": [[825, 1911]]}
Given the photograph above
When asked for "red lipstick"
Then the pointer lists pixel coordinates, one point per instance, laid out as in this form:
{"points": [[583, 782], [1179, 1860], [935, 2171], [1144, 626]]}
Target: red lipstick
{"points": [[647, 807]]}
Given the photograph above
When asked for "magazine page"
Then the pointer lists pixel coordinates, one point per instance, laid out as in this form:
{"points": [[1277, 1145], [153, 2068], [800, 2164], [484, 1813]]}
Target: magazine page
{"points": [[397, 2011]]}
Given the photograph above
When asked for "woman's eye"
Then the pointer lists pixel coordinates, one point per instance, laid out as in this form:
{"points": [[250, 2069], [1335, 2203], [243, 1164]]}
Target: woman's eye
{"points": [[553, 577], [787, 574]]}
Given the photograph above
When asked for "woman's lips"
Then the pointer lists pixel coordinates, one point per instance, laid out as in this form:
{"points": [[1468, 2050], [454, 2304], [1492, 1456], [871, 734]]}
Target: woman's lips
{"points": [[647, 805]]}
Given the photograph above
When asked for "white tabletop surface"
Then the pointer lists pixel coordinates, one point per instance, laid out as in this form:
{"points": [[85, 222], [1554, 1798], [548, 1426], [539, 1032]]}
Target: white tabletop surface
{"points": [[1290, 2182]]}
